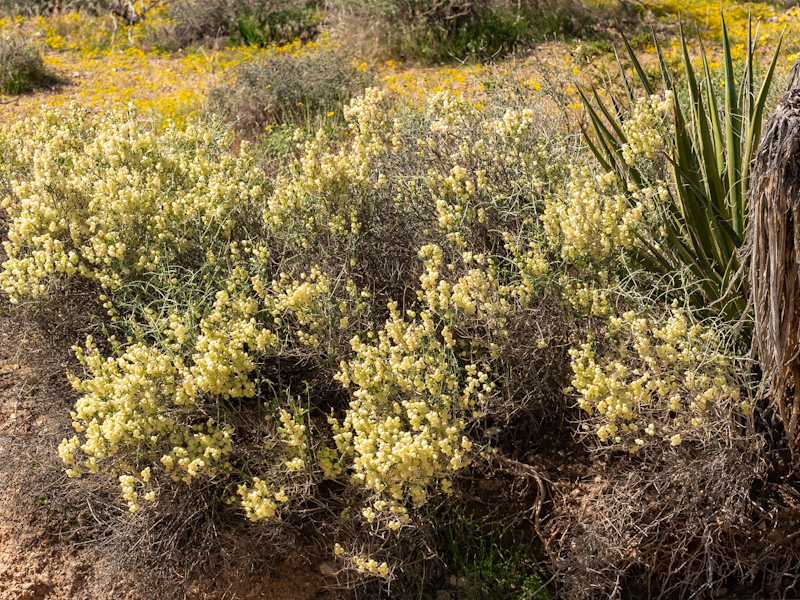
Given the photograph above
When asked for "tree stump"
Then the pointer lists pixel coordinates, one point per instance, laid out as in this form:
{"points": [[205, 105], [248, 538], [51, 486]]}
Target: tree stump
{"points": [[773, 244]]}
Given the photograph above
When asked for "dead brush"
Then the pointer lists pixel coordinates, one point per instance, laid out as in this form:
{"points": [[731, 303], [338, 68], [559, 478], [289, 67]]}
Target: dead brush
{"points": [[682, 525]]}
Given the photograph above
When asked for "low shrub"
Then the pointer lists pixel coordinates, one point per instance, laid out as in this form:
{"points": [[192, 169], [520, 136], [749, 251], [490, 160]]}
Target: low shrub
{"points": [[21, 64], [303, 89], [435, 31], [240, 21]]}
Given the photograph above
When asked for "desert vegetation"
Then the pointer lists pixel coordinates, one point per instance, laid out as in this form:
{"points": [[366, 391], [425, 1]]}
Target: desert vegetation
{"points": [[455, 299]]}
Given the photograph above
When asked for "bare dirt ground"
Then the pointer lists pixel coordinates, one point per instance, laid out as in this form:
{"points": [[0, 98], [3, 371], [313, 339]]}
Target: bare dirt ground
{"points": [[50, 547]]}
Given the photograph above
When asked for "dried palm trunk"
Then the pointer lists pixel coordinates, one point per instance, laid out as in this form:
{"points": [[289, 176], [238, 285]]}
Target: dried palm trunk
{"points": [[773, 240]]}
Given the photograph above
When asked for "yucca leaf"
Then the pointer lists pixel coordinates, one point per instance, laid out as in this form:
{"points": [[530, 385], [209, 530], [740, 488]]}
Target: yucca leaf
{"points": [[749, 71], [645, 83], [708, 160], [595, 150], [719, 220], [609, 143], [730, 269], [733, 137], [754, 127], [687, 66], [602, 133], [628, 90], [713, 112], [713, 183], [653, 259], [611, 120], [665, 76], [697, 264], [695, 224], [618, 108]]}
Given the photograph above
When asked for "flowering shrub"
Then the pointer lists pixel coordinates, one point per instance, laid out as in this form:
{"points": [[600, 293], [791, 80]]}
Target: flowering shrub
{"points": [[644, 128], [412, 399], [159, 196], [367, 316], [225, 309], [656, 380], [595, 218]]}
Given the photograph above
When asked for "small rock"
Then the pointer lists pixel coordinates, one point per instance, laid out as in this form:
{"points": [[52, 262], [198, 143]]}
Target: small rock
{"points": [[327, 569]]}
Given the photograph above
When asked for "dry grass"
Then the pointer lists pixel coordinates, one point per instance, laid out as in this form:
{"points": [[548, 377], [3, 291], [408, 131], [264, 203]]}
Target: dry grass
{"points": [[21, 64], [681, 525]]}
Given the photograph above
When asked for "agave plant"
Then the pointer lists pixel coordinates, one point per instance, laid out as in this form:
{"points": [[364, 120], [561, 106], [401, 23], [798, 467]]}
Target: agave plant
{"points": [[710, 151]]}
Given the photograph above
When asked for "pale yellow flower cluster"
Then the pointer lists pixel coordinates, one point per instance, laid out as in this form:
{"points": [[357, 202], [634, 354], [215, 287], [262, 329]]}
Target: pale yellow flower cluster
{"points": [[481, 150], [144, 399], [644, 129], [223, 358], [658, 381], [294, 436], [323, 193], [110, 196], [371, 566], [128, 485], [259, 500], [589, 299], [302, 299], [413, 396], [290, 465], [595, 219], [444, 110]]}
